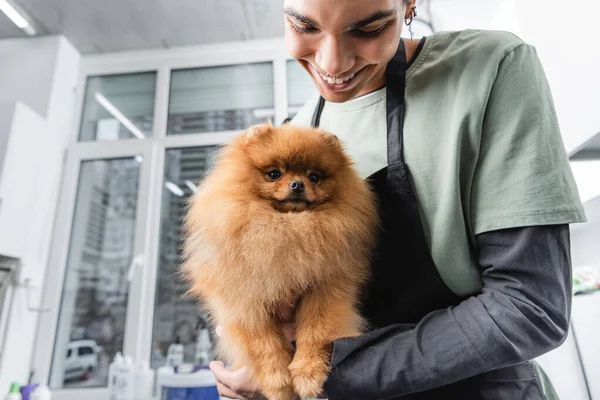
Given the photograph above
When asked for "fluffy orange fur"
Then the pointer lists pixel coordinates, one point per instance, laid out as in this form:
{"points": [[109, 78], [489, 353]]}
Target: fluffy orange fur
{"points": [[253, 244]]}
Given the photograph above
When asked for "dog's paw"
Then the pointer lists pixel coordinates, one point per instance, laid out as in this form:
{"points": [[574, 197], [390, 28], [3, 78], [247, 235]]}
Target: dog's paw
{"points": [[308, 377], [280, 393], [278, 386]]}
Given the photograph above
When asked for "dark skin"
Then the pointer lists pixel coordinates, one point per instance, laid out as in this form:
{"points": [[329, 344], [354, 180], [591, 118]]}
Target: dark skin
{"points": [[335, 40], [345, 39]]}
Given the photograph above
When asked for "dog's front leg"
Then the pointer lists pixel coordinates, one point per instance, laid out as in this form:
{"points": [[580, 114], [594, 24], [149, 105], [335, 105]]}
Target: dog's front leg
{"points": [[267, 355], [324, 314]]}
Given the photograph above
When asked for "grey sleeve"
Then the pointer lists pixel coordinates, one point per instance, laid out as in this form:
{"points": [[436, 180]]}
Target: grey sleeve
{"points": [[522, 312]]}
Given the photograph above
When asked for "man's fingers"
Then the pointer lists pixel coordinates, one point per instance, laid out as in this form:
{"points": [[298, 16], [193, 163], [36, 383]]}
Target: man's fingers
{"points": [[224, 391], [216, 366], [233, 384], [223, 374]]}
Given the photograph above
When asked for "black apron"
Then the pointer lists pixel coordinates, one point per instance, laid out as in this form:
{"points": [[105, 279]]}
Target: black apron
{"points": [[405, 284]]}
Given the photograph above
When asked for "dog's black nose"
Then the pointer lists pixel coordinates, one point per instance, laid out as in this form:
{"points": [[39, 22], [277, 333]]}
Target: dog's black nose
{"points": [[297, 186]]}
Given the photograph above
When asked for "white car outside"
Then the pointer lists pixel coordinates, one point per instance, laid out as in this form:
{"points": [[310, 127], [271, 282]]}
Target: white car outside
{"points": [[82, 359]]}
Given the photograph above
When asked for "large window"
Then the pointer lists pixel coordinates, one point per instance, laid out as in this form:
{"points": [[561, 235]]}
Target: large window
{"points": [[300, 87], [176, 316], [118, 107], [220, 98], [93, 310]]}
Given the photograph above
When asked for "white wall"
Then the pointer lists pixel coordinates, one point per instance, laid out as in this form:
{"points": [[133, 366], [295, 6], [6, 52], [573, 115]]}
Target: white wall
{"points": [[586, 325], [19, 177], [587, 176], [566, 38], [26, 71], [586, 246], [42, 73], [563, 367]]}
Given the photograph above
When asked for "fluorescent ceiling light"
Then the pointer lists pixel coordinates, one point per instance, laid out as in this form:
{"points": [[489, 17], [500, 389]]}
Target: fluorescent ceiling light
{"points": [[192, 187], [114, 111], [173, 188], [263, 113], [16, 17]]}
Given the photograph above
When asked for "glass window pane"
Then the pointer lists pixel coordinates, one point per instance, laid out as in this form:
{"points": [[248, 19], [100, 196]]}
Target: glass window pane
{"points": [[220, 98], [91, 323], [176, 316], [118, 107], [300, 87]]}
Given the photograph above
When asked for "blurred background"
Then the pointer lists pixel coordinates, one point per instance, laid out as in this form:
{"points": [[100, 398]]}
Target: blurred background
{"points": [[110, 113]]}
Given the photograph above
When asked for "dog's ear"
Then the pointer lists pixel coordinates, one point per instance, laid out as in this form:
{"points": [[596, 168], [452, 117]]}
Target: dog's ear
{"points": [[332, 139], [258, 132]]}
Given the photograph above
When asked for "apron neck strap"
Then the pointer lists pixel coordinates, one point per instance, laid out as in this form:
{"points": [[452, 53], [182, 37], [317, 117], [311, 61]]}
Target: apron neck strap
{"points": [[395, 90], [316, 119]]}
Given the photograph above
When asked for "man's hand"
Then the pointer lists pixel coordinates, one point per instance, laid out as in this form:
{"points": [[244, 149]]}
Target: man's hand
{"points": [[235, 384]]}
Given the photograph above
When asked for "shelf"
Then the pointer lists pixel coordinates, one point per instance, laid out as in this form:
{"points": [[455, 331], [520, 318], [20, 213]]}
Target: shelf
{"points": [[590, 150]]}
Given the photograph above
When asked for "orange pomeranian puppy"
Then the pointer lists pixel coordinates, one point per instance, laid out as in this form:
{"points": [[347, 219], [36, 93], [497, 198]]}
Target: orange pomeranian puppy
{"points": [[282, 219]]}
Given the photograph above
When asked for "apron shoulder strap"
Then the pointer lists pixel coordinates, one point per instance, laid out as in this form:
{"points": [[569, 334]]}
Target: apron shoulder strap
{"points": [[395, 90], [316, 119]]}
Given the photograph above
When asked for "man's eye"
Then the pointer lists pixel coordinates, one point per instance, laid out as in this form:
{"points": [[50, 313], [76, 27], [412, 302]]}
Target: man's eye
{"points": [[370, 33], [302, 28]]}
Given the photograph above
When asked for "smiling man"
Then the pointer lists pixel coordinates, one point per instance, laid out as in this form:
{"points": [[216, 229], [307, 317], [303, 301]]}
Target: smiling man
{"points": [[458, 135]]}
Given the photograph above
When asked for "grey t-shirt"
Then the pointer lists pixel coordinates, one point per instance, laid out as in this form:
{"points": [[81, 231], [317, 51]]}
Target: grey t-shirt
{"points": [[481, 141]]}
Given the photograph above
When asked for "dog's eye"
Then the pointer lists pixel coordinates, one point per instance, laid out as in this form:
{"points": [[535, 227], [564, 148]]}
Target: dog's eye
{"points": [[314, 177], [274, 175]]}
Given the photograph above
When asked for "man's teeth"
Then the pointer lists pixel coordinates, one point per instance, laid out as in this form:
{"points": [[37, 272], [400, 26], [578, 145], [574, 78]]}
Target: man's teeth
{"points": [[336, 81]]}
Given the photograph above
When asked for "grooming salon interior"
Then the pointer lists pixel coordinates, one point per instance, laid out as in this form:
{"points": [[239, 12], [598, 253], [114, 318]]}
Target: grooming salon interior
{"points": [[111, 113]]}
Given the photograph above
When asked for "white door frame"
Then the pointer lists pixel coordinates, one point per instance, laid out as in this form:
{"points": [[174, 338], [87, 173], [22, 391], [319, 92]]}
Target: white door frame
{"points": [[48, 322]]}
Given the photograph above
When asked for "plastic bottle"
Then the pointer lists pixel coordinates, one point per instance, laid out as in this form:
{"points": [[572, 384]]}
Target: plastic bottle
{"points": [[144, 381], [15, 392], [175, 353], [203, 347], [27, 390], [187, 383], [41, 393], [121, 375], [128, 379], [114, 366]]}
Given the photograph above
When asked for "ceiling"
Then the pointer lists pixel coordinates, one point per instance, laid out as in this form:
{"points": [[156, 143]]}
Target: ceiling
{"points": [[98, 26]]}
